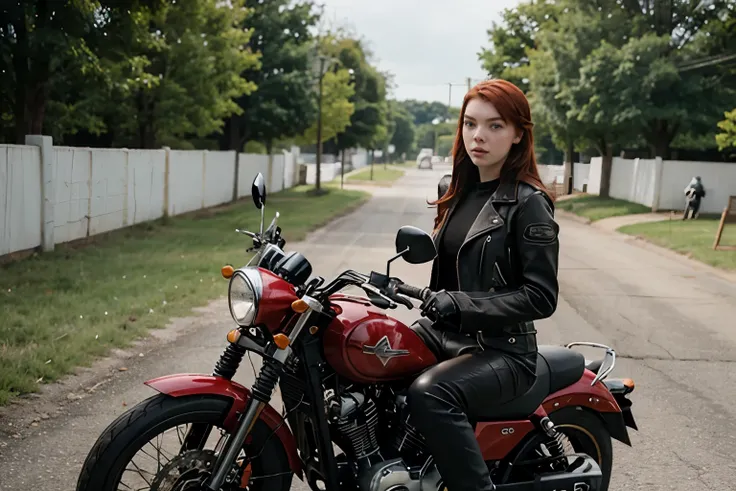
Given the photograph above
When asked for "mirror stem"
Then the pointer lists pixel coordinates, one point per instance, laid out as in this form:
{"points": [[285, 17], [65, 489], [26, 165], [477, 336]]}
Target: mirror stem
{"points": [[263, 209], [388, 263]]}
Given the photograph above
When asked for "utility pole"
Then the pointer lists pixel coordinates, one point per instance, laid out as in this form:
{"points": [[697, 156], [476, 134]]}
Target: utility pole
{"points": [[469, 84], [319, 125], [449, 96]]}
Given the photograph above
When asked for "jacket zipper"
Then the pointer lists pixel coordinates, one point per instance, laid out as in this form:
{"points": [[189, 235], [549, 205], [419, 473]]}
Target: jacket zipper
{"points": [[482, 255], [500, 274]]}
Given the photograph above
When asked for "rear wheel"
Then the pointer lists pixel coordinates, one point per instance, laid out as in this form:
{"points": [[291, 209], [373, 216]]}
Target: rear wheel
{"points": [[582, 432], [142, 450]]}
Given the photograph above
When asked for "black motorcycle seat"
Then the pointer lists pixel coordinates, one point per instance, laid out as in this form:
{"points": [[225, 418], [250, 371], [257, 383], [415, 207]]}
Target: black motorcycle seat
{"points": [[557, 367]]}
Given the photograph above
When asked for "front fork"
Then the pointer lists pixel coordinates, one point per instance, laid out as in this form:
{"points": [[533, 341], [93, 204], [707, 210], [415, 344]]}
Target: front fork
{"points": [[262, 391]]}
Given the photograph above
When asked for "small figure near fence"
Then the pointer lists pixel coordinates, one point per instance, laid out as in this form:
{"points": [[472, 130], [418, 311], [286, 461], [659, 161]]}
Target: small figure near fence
{"points": [[694, 192]]}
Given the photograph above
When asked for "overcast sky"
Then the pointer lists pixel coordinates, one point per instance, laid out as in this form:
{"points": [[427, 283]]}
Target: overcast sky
{"points": [[424, 43]]}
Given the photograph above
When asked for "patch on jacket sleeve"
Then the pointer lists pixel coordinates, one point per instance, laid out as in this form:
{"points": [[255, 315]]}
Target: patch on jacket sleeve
{"points": [[540, 233]]}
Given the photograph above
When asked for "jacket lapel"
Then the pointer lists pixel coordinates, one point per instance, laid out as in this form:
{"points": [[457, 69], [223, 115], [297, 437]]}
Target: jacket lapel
{"points": [[489, 219]]}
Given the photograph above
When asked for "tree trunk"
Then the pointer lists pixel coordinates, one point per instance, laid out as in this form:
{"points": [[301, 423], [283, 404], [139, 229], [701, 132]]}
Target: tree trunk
{"points": [[342, 169], [269, 174], [606, 167], [20, 66], [569, 166]]}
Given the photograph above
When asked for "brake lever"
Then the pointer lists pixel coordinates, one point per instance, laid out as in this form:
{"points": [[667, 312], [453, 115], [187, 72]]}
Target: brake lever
{"points": [[396, 296], [372, 289]]}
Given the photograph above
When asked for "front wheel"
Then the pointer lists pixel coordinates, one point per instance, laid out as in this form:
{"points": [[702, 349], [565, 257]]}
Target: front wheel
{"points": [[143, 449]]}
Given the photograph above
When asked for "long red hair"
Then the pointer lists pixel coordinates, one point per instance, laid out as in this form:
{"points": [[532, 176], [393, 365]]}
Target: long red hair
{"points": [[521, 162]]}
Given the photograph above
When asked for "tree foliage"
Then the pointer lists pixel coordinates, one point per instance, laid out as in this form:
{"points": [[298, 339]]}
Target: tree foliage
{"points": [[727, 138], [616, 74], [188, 74], [283, 104]]}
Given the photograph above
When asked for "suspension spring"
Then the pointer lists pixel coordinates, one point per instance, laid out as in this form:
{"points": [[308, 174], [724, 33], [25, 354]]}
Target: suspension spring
{"points": [[555, 443], [229, 361], [267, 380]]}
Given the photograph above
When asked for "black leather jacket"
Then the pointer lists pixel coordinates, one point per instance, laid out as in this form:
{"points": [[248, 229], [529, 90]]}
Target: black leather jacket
{"points": [[507, 268]]}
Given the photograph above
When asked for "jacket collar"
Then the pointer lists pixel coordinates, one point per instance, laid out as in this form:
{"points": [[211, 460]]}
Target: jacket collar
{"points": [[488, 218], [507, 192]]}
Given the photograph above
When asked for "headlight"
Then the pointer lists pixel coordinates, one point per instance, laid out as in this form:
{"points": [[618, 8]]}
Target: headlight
{"points": [[244, 294]]}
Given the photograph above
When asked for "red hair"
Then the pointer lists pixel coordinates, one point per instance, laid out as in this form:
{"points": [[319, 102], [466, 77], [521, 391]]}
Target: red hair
{"points": [[521, 162]]}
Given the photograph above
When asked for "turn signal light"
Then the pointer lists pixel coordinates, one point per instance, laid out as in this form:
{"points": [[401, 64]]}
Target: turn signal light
{"points": [[629, 384], [227, 271], [299, 306], [233, 336], [281, 340]]}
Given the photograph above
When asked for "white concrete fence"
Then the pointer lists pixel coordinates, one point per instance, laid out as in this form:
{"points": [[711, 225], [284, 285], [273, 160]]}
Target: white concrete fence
{"points": [[659, 183], [50, 195]]}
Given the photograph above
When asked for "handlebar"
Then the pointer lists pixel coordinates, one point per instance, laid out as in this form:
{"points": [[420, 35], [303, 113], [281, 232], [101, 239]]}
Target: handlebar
{"points": [[413, 291]]}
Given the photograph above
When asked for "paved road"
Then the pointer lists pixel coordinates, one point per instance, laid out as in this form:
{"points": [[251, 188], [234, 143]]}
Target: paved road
{"points": [[672, 323]]}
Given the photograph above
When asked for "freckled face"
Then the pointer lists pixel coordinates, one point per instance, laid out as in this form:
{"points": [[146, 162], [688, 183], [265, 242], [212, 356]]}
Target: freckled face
{"points": [[487, 137]]}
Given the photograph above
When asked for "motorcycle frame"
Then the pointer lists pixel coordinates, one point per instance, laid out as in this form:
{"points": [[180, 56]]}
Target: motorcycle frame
{"points": [[497, 439]]}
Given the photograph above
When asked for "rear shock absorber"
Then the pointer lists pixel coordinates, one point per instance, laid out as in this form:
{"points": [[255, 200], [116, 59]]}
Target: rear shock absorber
{"points": [[229, 361], [555, 443]]}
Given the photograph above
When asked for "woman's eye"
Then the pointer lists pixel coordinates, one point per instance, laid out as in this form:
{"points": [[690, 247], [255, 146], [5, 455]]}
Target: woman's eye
{"points": [[469, 124]]}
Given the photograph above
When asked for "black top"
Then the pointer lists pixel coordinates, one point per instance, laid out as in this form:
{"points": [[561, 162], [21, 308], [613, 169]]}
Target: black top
{"points": [[457, 228]]}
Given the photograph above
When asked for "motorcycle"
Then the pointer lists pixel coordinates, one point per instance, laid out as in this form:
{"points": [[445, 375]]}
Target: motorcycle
{"points": [[343, 367]]}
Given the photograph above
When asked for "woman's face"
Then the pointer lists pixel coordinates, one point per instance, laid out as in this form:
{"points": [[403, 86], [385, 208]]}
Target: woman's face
{"points": [[487, 137]]}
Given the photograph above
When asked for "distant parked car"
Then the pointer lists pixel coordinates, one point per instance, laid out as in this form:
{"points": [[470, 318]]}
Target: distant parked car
{"points": [[424, 158]]}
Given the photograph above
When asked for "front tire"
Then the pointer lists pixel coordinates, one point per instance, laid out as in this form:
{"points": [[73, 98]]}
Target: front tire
{"points": [[134, 429]]}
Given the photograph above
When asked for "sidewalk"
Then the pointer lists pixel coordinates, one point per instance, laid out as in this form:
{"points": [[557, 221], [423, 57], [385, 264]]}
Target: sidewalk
{"points": [[612, 224]]}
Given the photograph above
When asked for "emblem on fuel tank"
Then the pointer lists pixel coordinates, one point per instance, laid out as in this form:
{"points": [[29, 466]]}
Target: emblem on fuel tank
{"points": [[384, 351]]}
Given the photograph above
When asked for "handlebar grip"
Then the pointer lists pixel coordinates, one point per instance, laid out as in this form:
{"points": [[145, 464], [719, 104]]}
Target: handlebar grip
{"points": [[413, 291]]}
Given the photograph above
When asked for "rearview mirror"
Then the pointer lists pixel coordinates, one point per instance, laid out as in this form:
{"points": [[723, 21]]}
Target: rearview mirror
{"points": [[415, 245], [258, 191]]}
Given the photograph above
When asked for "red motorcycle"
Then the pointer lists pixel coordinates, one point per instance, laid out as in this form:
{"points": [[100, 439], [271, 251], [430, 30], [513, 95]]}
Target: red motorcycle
{"points": [[343, 368]]}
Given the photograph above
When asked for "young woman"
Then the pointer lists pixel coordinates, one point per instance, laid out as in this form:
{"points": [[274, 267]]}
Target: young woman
{"points": [[495, 273]]}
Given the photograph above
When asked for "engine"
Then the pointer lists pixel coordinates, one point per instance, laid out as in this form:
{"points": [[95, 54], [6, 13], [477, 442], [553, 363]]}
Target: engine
{"points": [[384, 452]]}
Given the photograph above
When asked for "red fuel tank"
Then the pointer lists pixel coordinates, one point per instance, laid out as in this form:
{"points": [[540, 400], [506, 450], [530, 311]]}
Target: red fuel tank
{"points": [[365, 345]]}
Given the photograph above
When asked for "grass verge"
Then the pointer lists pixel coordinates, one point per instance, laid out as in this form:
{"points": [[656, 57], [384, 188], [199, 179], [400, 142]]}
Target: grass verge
{"points": [[380, 175], [693, 238], [61, 310], [596, 208]]}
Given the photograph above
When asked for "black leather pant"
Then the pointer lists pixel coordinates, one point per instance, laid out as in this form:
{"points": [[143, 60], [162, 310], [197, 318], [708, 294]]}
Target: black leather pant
{"points": [[444, 398]]}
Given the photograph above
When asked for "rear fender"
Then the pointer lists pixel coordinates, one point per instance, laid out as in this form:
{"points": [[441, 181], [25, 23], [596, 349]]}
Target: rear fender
{"points": [[185, 384], [596, 398]]}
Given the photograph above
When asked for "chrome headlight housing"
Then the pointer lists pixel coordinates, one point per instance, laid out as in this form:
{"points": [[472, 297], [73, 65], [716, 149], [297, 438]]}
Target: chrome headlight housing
{"points": [[244, 295]]}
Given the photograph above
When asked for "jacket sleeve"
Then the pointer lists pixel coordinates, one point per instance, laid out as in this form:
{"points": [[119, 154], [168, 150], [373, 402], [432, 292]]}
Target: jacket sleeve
{"points": [[537, 243]]}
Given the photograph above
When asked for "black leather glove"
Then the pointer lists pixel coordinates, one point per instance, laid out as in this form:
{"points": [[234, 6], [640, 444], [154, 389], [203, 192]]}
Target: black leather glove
{"points": [[439, 307]]}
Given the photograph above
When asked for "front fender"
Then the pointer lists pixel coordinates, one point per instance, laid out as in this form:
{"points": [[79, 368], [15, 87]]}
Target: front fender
{"points": [[186, 384], [597, 398]]}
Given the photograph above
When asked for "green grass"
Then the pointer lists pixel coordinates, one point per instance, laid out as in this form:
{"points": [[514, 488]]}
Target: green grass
{"points": [[380, 175], [62, 309], [596, 208], [692, 237]]}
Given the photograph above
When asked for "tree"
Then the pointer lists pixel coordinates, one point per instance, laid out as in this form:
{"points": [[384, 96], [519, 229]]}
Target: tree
{"points": [[42, 45], [424, 112], [367, 123], [405, 131], [184, 76], [336, 107], [507, 56], [727, 138], [283, 105]]}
